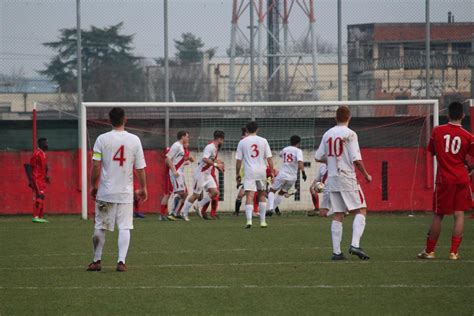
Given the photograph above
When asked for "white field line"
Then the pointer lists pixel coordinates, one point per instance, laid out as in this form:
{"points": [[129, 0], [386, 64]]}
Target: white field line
{"points": [[184, 251], [239, 264], [275, 286]]}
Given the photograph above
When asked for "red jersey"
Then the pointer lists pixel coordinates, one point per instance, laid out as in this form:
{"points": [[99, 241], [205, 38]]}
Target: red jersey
{"points": [[38, 165], [451, 144]]}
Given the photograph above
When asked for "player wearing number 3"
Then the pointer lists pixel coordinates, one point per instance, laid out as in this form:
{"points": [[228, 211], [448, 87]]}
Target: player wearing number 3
{"points": [[255, 153], [451, 144], [116, 154], [340, 150]]}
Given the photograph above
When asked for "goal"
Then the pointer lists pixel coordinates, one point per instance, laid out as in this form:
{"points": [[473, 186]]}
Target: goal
{"points": [[392, 133]]}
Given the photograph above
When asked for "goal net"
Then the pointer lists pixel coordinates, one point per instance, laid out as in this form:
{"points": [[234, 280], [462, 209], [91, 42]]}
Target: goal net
{"points": [[392, 135]]}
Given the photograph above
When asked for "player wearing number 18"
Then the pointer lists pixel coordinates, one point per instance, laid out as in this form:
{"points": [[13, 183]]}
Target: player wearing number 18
{"points": [[116, 154], [451, 144]]}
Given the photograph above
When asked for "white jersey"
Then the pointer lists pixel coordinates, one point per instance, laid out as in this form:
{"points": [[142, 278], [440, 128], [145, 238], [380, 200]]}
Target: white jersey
{"points": [[119, 152], [176, 155], [210, 152], [290, 156], [340, 147], [254, 150]]}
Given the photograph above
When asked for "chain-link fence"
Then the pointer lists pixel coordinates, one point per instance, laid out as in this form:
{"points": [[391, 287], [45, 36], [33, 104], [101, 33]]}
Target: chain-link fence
{"points": [[233, 50]]}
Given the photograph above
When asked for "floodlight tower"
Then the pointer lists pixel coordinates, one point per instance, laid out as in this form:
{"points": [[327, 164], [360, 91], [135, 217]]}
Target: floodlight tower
{"points": [[277, 54]]}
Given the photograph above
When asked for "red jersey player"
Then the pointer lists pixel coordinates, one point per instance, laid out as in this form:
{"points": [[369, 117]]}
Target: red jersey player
{"points": [[39, 178], [451, 144]]}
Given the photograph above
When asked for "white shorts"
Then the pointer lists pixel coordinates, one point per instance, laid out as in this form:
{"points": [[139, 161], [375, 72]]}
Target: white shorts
{"points": [[280, 183], [203, 182], [254, 185], [340, 202], [110, 214], [178, 182]]}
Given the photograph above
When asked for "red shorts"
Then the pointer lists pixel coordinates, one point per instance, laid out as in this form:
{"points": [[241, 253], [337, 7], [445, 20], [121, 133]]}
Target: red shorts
{"points": [[452, 197], [168, 186]]}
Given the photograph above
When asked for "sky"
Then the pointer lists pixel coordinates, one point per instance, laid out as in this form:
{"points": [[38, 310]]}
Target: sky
{"points": [[25, 25]]}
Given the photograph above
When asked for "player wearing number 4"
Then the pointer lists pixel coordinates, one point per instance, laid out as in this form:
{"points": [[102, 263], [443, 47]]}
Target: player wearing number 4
{"points": [[292, 163], [255, 153], [451, 144], [116, 154], [203, 179], [339, 149]]}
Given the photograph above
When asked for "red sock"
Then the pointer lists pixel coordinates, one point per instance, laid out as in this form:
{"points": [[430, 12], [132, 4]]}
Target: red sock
{"points": [[214, 205], [315, 199], [455, 242], [36, 209], [164, 209], [255, 204], [204, 208], [430, 244]]}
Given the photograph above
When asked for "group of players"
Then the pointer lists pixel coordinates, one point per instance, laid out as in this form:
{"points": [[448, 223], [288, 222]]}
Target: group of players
{"points": [[118, 155]]}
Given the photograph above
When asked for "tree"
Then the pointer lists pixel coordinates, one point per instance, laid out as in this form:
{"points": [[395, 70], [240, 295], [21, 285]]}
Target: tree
{"points": [[190, 50], [241, 50], [110, 71]]}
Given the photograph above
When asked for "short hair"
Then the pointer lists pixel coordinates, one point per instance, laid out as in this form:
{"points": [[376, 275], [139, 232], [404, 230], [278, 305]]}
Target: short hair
{"points": [[42, 140], [181, 134], [455, 111], [244, 130], [295, 140], [117, 117], [219, 134], [343, 114], [251, 126]]}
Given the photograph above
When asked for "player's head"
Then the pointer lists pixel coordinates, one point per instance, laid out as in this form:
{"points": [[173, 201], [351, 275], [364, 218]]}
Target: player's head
{"points": [[245, 133], [455, 111], [343, 114], [43, 143], [183, 136], [117, 117], [252, 127], [295, 140], [219, 137]]}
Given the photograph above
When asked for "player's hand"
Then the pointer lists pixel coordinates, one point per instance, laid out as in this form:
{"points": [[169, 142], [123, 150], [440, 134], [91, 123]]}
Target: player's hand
{"points": [[368, 178], [142, 195], [191, 159], [238, 179], [220, 166], [304, 176], [94, 193], [176, 174]]}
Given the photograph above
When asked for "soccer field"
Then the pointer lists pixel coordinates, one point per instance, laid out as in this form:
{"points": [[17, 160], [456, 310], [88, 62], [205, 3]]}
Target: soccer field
{"points": [[217, 267]]}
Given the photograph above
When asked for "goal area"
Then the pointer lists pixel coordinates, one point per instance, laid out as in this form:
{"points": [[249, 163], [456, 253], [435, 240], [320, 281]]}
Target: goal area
{"points": [[393, 135]]}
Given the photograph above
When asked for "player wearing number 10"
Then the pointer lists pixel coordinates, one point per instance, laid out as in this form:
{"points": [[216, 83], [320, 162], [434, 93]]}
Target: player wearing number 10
{"points": [[116, 154], [340, 150], [451, 144]]}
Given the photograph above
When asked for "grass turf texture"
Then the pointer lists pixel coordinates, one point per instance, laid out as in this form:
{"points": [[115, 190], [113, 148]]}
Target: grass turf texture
{"points": [[217, 267]]}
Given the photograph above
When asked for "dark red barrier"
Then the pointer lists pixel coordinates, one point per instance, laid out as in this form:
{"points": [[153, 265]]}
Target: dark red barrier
{"points": [[406, 169]]}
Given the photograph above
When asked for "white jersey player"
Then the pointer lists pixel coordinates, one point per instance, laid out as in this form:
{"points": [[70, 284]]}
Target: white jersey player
{"points": [[292, 157], [340, 150], [176, 159], [203, 179], [116, 154], [255, 153]]}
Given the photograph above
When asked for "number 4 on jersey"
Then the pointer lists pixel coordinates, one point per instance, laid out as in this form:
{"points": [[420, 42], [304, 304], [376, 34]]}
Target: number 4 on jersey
{"points": [[120, 155]]}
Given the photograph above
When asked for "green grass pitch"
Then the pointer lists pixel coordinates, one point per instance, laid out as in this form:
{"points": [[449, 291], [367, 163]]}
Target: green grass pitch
{"points": [[217, 267]]}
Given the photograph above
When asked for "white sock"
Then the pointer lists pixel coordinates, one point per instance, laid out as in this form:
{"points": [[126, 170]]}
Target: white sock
{"points": [[206, 199], [358, 227], [175, 205], [248, 212], [186, 207], [98, 240], [271, 199], [123, 243], [278, 200], [336, 233], [262, 207]]}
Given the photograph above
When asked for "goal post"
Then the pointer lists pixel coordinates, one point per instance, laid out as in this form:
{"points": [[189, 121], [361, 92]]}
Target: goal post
{"points": [[376, 121]]}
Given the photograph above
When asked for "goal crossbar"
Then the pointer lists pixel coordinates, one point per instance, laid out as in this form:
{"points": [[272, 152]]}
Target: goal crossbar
{"points": [[167, 105]]}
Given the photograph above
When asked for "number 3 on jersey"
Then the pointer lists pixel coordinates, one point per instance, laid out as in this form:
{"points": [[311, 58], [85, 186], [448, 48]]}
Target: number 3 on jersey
{"points": [[120, 155], [452, 146], [255, 151]]}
